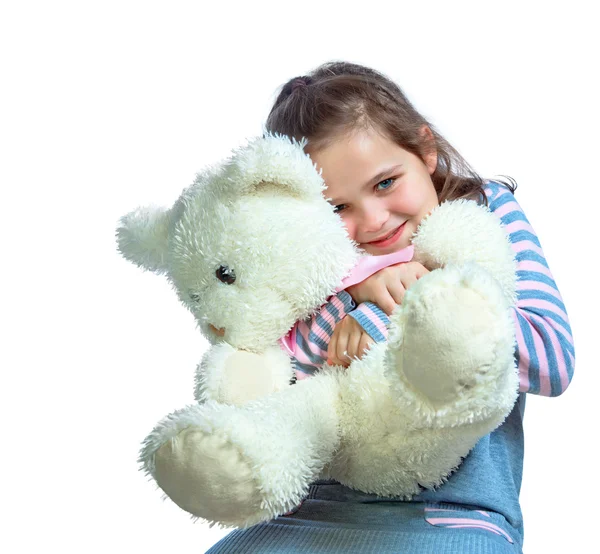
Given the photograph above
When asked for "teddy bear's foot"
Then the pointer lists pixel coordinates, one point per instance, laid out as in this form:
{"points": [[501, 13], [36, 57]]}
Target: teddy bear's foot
{"points": [[240, 465], [456, 335], [209, 477]]}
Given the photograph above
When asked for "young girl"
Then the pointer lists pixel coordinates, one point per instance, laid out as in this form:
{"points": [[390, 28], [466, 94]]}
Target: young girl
{"points": [[386, 168]]}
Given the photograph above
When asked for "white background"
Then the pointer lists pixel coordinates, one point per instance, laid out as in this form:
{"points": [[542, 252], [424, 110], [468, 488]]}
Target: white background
{"points": [[109, 105]]}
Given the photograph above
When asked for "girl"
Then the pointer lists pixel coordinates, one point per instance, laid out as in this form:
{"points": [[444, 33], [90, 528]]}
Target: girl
{"points": [[386, 168]]}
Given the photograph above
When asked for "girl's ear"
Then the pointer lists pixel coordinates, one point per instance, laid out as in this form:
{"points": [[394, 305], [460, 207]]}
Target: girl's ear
{"points": [[142, 238], [429, 149]]}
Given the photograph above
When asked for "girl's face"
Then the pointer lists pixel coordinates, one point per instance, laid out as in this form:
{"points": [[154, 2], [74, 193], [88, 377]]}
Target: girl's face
{"points": [[381, 191]]}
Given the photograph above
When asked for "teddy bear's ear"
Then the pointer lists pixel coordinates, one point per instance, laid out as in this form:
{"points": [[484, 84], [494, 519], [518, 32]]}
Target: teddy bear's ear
{"points": [[142, 238], [272, 159]]}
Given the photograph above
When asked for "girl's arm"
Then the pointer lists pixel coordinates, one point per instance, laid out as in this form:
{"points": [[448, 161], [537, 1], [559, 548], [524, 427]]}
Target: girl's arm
{"points": [[545, 353], [311, 337]]}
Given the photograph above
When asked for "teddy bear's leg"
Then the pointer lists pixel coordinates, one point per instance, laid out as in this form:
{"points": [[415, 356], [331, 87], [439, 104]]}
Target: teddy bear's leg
{"points": [[240, 465], [454, 338]]}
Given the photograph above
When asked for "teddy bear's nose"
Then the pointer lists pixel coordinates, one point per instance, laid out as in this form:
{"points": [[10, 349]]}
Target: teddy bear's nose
{"points": [[219, 332]]}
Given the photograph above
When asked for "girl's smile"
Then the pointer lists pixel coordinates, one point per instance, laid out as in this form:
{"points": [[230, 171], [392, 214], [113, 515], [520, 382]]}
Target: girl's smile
{"points": [[381, 191], [389, 239]]}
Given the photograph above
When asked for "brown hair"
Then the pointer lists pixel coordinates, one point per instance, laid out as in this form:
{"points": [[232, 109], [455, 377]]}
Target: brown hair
{"points": [[340, 97]]}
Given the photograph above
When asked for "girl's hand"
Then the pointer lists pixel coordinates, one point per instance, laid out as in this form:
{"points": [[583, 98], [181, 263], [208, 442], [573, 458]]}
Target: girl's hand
{"points": [[349, 340], [387, 287]]}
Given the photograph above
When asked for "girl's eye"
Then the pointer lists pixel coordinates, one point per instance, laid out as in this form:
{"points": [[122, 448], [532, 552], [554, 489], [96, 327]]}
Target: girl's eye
{"points": [[385, 184], [339, 208]]}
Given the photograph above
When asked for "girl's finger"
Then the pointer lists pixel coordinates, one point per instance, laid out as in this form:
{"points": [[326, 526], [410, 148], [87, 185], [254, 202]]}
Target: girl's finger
{"points": [[353, 344], [331, 357], [397, 291], [365, 342], [387, 302], [341, 349]]}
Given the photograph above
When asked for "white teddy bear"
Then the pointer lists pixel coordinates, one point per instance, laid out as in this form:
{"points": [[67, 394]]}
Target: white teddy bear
{"points": [[251, 248]]}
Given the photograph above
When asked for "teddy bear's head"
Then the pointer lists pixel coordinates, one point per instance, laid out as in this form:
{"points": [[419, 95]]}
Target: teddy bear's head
{"points": [[251, 247]]}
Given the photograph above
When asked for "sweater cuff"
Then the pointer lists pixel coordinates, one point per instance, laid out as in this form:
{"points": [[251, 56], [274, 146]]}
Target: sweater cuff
{"points": [[373, 320]]}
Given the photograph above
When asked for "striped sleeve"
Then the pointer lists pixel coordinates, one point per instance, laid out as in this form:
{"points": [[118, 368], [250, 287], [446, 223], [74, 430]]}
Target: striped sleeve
{"points": [[545, 352], [373, 320], [312, 335]]}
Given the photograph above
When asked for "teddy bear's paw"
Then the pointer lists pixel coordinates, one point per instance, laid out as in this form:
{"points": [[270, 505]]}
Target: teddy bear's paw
{"points": [[232, 376], [457, 333], [209, 477]]}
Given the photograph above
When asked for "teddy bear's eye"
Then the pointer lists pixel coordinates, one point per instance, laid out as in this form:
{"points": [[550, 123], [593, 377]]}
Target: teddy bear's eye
{"points": [[194, 297], [226, 275]]}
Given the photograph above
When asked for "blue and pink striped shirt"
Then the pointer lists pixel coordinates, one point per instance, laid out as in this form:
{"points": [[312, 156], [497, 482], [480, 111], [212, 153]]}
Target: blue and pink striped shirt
{"points": [[545, 353]]}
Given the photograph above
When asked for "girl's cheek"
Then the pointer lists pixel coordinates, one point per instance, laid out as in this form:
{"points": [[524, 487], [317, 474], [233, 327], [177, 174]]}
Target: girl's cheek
{"points": [[406, 201], [350, 227]]}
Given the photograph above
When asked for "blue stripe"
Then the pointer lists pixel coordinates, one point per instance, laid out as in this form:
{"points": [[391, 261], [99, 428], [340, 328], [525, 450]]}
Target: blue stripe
{"points": [[493, 189], [532, 370], [334, 312], [345, 298], [531, 256], [316, 339], [367, 325], [555, 386], [522, 235], [567, 348], [324, 324], [304, 368], [548, 315], [314, 358], [501, 199], [540, 295], [536, 276], [513, 216], [379, 313]]}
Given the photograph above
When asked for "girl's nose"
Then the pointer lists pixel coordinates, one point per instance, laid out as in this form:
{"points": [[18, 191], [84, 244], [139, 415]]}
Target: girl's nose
{"points": [[374, 218]]}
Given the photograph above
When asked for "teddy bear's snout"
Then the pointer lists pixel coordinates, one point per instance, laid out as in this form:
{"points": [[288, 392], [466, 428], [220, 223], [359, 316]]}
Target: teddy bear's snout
{"points": [[219, 332]]}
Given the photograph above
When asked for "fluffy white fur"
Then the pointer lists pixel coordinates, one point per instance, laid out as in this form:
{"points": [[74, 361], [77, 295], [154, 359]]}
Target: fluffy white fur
{"points": [[400, 419]]}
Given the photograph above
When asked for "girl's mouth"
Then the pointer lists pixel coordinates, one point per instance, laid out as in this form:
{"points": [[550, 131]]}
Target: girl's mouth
{"points": [[389, 239]]}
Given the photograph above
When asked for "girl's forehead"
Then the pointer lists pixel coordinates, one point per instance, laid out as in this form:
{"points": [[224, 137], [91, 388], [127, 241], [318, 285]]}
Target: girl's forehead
{"points": [[358, 158]]}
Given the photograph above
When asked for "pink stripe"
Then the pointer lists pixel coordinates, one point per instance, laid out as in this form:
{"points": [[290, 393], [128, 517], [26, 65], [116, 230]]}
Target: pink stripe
{"points": [[541, 304], [540, 350], [375, 319], [560, 359], [529, 265], [523, 245], [304, 330], [315, 328], [537, 285], [554, 326], [483, 513], [470, 526], [511, 206], [338, 305], [479, 527], [519, 225], [470, 522]]}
